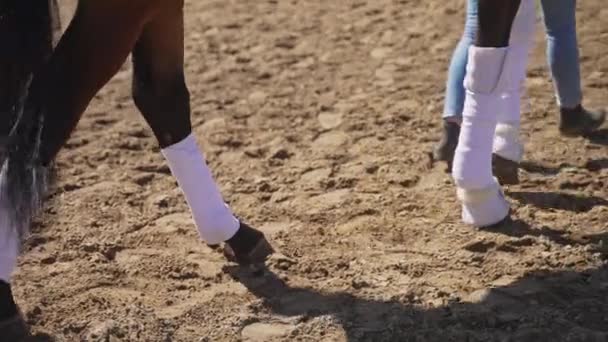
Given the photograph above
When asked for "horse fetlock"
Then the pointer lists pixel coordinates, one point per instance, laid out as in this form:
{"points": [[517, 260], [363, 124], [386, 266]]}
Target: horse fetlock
{"points": [[476, 196], [507, 143], [483, 207]]}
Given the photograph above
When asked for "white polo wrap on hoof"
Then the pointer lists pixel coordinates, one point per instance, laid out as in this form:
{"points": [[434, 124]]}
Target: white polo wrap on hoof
{"points": [[213, 218], [483, 207], [487, 78]]}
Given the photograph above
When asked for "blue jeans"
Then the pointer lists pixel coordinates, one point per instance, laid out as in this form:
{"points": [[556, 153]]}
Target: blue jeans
{"points": [[562, 55]]}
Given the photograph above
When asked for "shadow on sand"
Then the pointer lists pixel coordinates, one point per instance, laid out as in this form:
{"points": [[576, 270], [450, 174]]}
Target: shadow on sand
{"points": [[542, 306]]}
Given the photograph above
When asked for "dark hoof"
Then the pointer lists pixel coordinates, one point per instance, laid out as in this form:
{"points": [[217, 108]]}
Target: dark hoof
{"points": [[257, 255], [14, 330], [579, 121], [505, 170], [248, 246]]}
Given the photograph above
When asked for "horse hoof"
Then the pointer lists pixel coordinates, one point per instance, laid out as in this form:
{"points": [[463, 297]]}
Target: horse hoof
{"points": [[256, 255], [14, 329], [505, 170]]}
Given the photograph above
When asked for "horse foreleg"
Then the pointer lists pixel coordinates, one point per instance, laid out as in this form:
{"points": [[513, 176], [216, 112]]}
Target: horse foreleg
{"points": [[161, 94], [488, 76]]}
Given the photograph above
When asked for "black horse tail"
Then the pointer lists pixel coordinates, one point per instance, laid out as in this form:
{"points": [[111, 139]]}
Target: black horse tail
{"points": [[27, 32]]}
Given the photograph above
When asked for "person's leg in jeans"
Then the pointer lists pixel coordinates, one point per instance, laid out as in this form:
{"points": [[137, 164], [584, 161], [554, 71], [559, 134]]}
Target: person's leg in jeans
{"points": [[455, 92], [563, 59]]}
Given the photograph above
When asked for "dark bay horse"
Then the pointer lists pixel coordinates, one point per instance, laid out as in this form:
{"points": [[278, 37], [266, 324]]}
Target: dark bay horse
{"points": [[44, 93]]}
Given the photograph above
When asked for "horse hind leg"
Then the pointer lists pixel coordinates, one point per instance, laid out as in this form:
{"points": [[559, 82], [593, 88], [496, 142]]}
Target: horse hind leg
{"points": [[26, 31], [26, 36]]}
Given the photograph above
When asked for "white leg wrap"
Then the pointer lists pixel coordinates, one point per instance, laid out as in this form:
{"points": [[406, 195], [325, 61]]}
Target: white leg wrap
{"points": [[9, 238], [506, 141], [524, 24], [473, 158], [482, 201], [213, 218], [483, 207]]}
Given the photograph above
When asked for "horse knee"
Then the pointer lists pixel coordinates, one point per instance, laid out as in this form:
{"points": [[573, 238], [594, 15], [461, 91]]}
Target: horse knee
{"points": [[166, 107]]}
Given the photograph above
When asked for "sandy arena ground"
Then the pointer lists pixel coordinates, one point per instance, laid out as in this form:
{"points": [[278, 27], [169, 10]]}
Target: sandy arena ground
{"points": [[317, 118]]}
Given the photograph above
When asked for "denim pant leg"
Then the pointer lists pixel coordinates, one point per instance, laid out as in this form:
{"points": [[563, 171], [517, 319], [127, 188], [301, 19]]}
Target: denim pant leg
{"points": [[562, 50], [455, 92]]}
